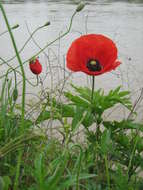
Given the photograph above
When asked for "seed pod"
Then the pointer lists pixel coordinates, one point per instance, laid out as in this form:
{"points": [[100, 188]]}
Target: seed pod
{"points": [[16, 26], [47, 23], [15, 94], [80, 7]]}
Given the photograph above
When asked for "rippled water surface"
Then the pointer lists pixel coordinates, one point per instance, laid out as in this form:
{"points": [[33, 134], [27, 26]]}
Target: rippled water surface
{"points": [[121, 20]]}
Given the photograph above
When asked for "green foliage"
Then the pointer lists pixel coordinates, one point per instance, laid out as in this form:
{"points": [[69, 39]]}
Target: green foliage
{"points": [[81, 108], [108, 159], [123, 182], [106, 145]]}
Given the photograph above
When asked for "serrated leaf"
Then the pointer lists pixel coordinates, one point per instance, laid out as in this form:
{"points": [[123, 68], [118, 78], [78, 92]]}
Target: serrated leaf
{"points": [[61, 110], [88, 119], [124, 124], [84, 92], [106, 142], [78, 117], [77, 100], [124, 93]]}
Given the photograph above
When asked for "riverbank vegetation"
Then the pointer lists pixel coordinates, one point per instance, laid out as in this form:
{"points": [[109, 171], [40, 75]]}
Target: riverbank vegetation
{"points": [[66, 139]]}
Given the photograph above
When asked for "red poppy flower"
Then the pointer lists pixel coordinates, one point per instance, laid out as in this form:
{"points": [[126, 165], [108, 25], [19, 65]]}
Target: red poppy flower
{"points": [[93, 54], [35, 66]]}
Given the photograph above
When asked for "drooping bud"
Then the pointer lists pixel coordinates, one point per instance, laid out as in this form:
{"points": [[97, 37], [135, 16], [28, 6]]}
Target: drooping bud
{"points": [[47, 23], [16, 26], [80, 6], [35, 66]]}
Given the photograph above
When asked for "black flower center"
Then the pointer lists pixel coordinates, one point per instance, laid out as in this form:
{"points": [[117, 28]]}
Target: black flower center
{"points": [[93, 65]]}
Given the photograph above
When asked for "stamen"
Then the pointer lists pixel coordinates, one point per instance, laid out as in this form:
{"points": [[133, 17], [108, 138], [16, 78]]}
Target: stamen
{"points": [[94, 65]]}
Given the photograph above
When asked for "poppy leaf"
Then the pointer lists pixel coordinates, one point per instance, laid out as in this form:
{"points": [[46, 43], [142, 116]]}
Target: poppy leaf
{"points": [[106, 142], [45, 115], [79, 116], [77, 100], [124, 124], [88, 119], [83, 92], [124, 93], [62, 110]]}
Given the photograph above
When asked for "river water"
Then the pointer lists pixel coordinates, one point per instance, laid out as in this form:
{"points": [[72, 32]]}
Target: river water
{"points": [[120, 20]]}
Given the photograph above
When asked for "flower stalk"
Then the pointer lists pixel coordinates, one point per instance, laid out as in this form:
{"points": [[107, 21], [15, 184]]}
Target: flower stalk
{"points": [[93, 86]]}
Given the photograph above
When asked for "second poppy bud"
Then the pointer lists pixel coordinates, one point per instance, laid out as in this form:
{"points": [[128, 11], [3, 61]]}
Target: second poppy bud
{"points": [[35, 66]]}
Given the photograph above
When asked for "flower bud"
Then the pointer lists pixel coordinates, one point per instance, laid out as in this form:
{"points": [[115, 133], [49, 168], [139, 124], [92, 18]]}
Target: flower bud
{"points": [[15, 94], [47, 23], [80, 7], [16, 26], [35, 66]]}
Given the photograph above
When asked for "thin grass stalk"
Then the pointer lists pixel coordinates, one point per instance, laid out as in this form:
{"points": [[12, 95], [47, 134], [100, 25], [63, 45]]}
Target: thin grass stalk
{"points": [[23, 90], [20, 64], [133, 153]]}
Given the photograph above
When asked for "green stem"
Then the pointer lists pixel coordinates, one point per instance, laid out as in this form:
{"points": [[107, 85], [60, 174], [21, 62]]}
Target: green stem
{"points": [[20, 63], [107, 171], [93, 85], [18, 169], [23, 91]]}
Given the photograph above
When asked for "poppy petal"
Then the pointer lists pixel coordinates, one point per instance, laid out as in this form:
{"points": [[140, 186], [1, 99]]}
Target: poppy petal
{"points": [[94, 47]]}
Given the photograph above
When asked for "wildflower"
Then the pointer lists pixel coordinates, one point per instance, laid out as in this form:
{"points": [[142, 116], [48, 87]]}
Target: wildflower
{"points": [[93, 54], [35, 66]]}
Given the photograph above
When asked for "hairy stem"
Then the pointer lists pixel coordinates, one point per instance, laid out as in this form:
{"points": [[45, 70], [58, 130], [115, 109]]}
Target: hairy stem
{"points": [[93, 84]]}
